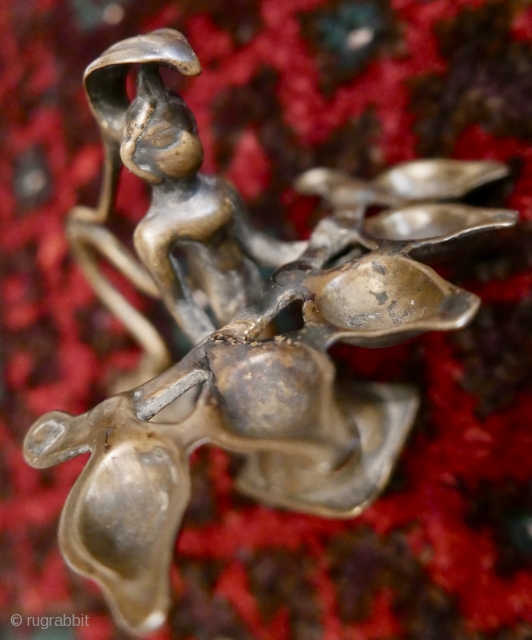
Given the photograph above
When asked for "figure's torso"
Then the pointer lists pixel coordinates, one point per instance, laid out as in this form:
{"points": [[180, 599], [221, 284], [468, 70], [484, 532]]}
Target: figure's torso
{"points": [[200, 218]]}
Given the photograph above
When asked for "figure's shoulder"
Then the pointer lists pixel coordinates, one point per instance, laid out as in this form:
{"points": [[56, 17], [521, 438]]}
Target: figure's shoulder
{"points": [[209, 198], [206, 189], [216, 185], [211, 190], [218, 189]]}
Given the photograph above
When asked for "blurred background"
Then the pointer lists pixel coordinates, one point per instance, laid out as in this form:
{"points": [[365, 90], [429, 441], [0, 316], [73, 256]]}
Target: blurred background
{"points": [[446, 553]]}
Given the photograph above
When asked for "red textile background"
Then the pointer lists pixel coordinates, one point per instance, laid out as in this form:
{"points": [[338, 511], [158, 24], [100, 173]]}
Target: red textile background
{"points": [[446, 553]]}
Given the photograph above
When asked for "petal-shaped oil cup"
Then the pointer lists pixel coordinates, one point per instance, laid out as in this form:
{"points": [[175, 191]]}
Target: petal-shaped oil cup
{"points": [[340, 190], [436, 223], [119, 524], [281, 389], [120, 520], [381, 416], [366, 303], [438, 179], [369, 421]]}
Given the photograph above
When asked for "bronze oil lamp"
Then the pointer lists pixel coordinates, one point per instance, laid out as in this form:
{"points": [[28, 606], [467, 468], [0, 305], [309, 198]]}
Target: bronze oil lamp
{"points": [[312, 442]]}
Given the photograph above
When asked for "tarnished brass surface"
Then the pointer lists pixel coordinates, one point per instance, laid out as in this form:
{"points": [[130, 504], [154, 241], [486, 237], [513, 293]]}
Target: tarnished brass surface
{"points": [[311, 447], [439, 222], [155, 137], [312, 442], [438, 179], [414, 181], [367, 303], [378, 300], [379, 417]]}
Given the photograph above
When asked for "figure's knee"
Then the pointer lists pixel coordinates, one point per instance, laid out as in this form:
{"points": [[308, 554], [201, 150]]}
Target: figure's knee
{"points": [[152, 243]]}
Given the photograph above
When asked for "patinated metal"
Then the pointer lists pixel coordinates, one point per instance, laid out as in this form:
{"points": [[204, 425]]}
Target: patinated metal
{"points": [[156, 138], [312, 442], [406, 183]]}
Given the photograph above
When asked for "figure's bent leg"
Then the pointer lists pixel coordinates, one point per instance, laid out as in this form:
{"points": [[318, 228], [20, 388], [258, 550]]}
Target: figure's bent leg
{"points": [[86, 240]]}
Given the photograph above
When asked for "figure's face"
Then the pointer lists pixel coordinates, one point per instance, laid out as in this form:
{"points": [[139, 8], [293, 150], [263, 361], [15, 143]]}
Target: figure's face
{"points": [[160, 138]]}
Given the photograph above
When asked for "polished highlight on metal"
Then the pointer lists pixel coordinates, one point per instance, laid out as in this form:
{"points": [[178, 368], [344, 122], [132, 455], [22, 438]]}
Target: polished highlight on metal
{"points": [[312, 442]]}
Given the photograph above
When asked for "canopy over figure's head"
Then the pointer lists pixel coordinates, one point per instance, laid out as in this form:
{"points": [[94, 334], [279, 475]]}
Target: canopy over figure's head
{"points": [[105, 78], [168, 144]]}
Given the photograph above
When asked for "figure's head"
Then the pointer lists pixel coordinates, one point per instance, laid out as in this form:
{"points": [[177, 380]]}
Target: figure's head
{"points": [[160, 133]]}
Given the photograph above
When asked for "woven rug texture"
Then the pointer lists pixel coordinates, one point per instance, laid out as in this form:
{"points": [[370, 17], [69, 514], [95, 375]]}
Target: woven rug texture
{"points": [[446, 552]]}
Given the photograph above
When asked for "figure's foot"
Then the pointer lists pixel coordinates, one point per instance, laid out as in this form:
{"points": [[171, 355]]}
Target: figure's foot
{"points": [[383, 415]]}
